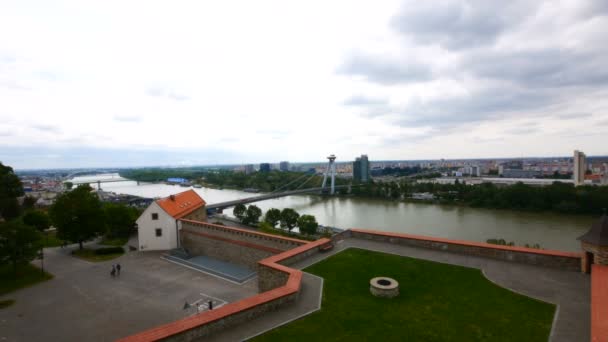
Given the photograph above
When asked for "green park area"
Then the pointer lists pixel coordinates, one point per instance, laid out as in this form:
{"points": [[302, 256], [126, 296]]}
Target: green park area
{"points": [[437, 302]]}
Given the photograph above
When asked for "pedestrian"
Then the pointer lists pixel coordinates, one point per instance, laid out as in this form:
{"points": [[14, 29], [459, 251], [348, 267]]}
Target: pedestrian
{"points": [[118, 269], [113, 272], [210, 305]]}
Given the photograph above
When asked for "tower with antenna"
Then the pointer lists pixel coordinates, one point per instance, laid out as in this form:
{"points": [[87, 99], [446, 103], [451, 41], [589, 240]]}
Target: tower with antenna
{"points": [[331, 169]]}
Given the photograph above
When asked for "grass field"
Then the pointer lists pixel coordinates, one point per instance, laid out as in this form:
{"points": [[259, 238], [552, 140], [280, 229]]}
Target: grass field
{"points": [[437, 302], [118, 242], [27, 275], [89, 255]]}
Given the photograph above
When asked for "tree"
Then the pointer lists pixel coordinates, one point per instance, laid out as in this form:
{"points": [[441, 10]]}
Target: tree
{"points": [[273, 216], [289, 218], [78, 215], [308, 224], [120, 220], [68, 185], [37, 219], [10, 189], [239, 211], [253, 214], [19, 243]]}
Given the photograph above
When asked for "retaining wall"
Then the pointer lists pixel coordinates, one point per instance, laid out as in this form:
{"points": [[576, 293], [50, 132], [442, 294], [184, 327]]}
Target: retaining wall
{"points": [[239, 246], [280, 284], [540, 257], [599, 303]]}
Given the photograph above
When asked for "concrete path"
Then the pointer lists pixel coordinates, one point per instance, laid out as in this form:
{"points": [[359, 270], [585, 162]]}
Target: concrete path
{"points": [[569, 290], [83, 303]]}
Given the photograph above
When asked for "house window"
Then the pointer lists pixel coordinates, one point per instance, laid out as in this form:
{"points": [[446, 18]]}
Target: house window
{"points": [[159, 232], [154, 216]]}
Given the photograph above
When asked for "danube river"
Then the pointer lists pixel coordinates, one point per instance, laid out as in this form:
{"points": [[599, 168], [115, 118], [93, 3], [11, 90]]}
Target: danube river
{"points": [[551, 231]]}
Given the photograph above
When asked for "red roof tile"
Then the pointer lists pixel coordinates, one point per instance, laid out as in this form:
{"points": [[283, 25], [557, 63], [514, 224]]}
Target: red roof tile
{"points": [[181, 204]]}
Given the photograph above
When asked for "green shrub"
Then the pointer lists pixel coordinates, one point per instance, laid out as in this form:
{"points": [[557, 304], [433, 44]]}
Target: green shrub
{"points": [[109, 250]]}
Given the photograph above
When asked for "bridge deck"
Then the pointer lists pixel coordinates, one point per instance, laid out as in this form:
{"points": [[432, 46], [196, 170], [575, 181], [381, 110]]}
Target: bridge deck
{"points": [[227, 204]]}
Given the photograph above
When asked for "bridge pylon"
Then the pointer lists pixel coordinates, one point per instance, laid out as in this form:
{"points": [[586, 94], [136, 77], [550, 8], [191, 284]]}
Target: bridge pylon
{"points": [[331, 170]]}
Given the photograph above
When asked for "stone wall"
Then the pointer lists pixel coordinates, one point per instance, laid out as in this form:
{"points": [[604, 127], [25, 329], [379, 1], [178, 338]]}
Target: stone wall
{"points": [[199, 214], [547, 258], [245, 235], [230, 251], [600, 253]]}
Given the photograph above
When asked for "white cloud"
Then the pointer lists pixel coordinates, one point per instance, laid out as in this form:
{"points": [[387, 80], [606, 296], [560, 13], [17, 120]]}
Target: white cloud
{"points": [[295, 81]]}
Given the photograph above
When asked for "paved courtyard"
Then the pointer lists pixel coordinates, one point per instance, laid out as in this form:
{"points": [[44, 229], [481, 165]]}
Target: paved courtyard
{"points": [[84, 303]]}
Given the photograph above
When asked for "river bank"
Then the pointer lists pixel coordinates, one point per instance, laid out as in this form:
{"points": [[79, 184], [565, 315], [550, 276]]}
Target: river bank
{"points": [[550, 230]]}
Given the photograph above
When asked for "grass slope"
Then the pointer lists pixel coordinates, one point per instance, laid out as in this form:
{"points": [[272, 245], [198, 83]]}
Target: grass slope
{"points": [[438, 302]]}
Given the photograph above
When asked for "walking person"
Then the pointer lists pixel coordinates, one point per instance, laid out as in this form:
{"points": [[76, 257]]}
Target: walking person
{"points": [[113, 272], [118, 269]]}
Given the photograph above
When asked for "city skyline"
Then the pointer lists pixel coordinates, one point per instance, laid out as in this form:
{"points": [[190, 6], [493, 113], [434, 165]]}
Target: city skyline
{"points": [[203, 84]]}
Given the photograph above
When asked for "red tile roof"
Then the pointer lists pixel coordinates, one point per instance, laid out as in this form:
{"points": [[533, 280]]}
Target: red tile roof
{"points": [[181, 204]]}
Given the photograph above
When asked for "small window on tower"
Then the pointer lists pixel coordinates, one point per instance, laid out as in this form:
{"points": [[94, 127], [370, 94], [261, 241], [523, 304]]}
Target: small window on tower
{"points": [[159, 232], [154, 216]]}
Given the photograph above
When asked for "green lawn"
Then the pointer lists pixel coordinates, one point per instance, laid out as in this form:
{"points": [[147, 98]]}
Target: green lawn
{"points": [[89, 255], [438, 302], [26, 275], [118, 242]]}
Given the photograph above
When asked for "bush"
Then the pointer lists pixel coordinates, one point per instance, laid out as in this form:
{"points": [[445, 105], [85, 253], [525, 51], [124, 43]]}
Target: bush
{"points": [[109, 250]]}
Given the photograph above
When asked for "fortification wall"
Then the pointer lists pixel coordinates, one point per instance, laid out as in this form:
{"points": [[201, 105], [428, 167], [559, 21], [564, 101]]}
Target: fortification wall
{"points": [[240, 246], [282, 286], [599, 303], [540, 257], [199, 214]]}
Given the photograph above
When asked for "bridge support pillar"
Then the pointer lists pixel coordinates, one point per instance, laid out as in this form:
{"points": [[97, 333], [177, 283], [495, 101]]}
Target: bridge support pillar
{"points": [[331, 169]]}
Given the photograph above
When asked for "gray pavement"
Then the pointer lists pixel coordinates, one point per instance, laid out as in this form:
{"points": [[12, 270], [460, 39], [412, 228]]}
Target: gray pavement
{"points": [[83, 303], [569, 290]]}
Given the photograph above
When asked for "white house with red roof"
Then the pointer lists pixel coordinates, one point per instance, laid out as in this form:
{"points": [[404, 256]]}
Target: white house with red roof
{"points": [[158, 226]]}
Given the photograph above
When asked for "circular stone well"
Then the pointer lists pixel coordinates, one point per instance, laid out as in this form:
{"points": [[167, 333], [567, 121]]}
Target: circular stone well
{"points": [[384, 287]]}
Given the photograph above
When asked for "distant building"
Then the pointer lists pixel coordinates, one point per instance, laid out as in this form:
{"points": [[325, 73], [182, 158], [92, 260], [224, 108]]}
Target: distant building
{"points": [[516, 173], [158, 226], [472, 170], [176, 180], [361, 169], [249, 169], [579, 167], [284, 166], [264, 167]]}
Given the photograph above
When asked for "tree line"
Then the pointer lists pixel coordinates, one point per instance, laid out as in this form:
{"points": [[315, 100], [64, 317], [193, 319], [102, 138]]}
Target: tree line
{"points": [[78, 215], [557, 197], [287, 218]]}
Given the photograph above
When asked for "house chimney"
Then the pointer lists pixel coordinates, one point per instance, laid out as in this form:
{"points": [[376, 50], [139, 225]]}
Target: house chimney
{"points": [[172, 197]]}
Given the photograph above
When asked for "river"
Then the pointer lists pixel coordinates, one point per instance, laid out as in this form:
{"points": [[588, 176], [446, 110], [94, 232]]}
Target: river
{"points": [[551, 231]]}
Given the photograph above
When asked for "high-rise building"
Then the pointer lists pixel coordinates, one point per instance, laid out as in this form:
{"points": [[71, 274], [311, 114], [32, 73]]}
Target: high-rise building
{"points": [[361, 169], [248, 168], [284, 166], [264, 167], [579, 167]]}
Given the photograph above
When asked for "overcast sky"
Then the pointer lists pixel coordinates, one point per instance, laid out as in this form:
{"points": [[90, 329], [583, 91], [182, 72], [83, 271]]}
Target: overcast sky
{"points": [[132, 83]]}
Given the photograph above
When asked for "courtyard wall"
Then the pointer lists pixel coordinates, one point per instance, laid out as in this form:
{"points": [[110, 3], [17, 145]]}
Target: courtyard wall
{"points": [[540, 257], [235, 245]]}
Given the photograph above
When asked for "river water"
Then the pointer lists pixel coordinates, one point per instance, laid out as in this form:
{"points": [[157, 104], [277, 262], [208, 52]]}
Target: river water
{"points": [[551, 231]]}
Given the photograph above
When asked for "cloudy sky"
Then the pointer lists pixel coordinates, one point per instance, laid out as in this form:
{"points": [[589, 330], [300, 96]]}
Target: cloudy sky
{"points": [[131, 83]]}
